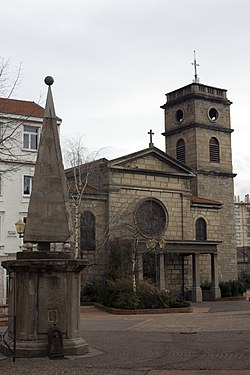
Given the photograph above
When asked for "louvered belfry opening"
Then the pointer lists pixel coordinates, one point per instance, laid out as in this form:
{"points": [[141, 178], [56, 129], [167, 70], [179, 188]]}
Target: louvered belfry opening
{"points": [[181, 151], [214, 150]]}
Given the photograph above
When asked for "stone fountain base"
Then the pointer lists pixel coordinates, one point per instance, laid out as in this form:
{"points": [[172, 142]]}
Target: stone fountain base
{"points": [[45, 294]]}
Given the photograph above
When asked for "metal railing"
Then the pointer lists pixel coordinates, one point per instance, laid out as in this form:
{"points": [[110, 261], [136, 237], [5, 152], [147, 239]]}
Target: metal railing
{"points": [[8, 336]]}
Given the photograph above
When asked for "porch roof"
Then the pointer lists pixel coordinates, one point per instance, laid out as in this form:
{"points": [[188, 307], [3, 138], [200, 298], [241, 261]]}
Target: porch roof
{"points": [[189, 247]]}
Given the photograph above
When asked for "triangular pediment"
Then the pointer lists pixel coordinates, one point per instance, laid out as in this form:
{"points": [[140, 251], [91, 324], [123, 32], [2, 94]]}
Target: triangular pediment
{"points": [[151, 160]]}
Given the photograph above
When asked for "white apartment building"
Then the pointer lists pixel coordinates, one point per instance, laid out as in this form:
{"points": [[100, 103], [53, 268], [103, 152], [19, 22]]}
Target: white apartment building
{"points": [[242, 225], [20, 124]]}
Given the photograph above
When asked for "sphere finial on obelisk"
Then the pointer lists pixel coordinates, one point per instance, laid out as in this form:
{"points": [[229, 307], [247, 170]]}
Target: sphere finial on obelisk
{"points": [[49, 80]]}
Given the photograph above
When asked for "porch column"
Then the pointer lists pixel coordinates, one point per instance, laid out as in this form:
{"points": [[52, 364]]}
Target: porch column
{"points": [[162, 271], [140, 266], [214, 276], [196, 288]]}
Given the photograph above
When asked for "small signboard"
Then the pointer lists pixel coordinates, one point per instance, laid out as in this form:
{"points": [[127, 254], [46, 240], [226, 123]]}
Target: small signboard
{"points": [[11, 233]]}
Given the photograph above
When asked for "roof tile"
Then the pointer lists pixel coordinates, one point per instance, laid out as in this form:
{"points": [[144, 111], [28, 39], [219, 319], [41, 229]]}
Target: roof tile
{"points": [[21, 107]]}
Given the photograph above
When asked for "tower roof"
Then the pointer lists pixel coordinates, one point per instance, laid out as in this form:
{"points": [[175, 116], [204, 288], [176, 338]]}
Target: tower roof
{"points": [[198, 91]]}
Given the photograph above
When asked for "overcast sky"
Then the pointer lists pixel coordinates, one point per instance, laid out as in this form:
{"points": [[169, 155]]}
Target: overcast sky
{"points": [[113, 61]]}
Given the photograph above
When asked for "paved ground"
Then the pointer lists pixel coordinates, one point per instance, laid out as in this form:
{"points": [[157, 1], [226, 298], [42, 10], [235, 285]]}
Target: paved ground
{"points": [[214, 340]]}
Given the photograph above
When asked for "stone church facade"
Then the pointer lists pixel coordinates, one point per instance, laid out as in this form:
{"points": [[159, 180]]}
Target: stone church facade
{"points": [[174, 209]]}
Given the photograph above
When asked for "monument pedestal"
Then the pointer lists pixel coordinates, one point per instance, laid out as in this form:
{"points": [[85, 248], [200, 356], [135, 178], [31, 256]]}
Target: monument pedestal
{"points": [[45, 293]]}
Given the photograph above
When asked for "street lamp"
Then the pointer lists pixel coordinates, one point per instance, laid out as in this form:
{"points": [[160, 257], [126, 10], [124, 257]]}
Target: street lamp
{"points": [[153, 243], [20, 227]]}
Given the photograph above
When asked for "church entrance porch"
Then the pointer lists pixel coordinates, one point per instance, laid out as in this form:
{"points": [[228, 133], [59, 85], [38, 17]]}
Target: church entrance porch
{"points": [[177, 267]]}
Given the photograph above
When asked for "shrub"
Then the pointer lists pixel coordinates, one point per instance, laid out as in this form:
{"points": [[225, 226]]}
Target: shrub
{"points": [[173, 299], [245, 278], [149, 296], [232, 288], [90, 291], [119, 294], [225, 289]]}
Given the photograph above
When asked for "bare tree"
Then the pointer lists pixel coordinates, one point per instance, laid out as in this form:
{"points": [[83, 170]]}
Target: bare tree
{"points": [[136, 236], [80, 175], [10, 124], [9, 82], [130, 242], [116, 244]]}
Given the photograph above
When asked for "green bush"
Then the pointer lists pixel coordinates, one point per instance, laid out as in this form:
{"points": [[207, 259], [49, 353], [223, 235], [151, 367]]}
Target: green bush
{"points": [[149, 296], [90, 292], [232, 288], [175, 300], [245, 278], [120, 294]]}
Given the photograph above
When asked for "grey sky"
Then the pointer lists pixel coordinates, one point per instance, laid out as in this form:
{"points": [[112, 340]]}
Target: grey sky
{"points": [[114, 60]]}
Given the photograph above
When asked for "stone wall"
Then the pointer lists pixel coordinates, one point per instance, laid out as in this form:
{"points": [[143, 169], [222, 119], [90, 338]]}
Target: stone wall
{"points": [[127, 190], [197, 143], [220, 188], [98, 259], [196, 111], [175, 280]]}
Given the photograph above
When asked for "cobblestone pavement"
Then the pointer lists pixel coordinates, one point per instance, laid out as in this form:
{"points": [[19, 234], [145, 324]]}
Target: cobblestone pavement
{"points": [[214, 340], [197, 372]]}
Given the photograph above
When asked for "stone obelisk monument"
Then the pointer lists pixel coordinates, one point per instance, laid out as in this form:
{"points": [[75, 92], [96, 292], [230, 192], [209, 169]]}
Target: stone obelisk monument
{"points": [[45, 284]]}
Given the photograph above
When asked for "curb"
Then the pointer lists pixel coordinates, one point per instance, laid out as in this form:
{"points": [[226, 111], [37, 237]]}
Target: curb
{"points": [[169, 310]]}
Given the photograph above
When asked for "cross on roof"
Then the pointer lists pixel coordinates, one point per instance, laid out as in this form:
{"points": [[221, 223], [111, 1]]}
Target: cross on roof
{"points": [[151, 138], [196, 79]]}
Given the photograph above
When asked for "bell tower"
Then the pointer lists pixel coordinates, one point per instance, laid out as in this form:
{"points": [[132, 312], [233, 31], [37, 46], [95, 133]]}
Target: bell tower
{"points": [[198, 131], [198, 134]]}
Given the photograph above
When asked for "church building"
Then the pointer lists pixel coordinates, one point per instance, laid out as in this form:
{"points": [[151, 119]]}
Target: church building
{"points": [[172, 210]]}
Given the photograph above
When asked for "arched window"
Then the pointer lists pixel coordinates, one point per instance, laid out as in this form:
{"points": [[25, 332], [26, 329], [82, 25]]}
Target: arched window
{"points": [[214, 150], [181, 151], [201, 229], [87, 231]]}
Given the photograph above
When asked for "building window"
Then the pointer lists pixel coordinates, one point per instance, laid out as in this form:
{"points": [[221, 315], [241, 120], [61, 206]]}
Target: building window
{"points": [[30, 137], [150, 218], [179, 116], [181, 151], [213, 114], [2, 129], [87, 231], [214, 150], [1, 228], [1, 184], [27, 185], [201, 229], [243, 254]]}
